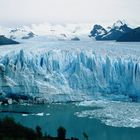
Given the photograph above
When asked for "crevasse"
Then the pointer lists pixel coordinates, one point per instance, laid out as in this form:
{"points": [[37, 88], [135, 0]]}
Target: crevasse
{"points": [[67, 75]]}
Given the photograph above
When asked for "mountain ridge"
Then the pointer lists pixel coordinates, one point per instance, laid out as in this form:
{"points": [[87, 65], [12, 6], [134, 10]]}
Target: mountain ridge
{"points": [[68, 31], [114, 32], [6, 41], [131, 36]]}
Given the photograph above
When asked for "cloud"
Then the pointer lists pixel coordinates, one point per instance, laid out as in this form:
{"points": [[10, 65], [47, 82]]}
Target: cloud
{"points": [[30, 11]]}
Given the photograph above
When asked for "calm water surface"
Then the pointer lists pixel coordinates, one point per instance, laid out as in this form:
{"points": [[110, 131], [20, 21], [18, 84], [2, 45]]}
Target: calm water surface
{"points": [[51, 116]]}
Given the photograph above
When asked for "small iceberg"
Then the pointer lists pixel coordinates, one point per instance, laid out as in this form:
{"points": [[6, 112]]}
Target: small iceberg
{"points": [[40, 114], [24, 115], [48, 114]]}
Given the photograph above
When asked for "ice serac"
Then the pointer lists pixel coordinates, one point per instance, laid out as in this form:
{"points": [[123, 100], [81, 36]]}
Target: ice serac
{"points": [[67, 75]]}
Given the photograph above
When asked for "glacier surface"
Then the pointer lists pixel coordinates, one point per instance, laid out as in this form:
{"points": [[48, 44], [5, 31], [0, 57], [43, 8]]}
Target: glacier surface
{"points": [[70, 71]]}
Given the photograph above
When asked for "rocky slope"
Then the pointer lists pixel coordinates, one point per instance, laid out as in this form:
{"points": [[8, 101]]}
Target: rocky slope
{"points": [[6, 41], [131, 36]]}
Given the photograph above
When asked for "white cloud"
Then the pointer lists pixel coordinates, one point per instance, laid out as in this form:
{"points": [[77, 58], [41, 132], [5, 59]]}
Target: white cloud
{"points": [[30, 11]]}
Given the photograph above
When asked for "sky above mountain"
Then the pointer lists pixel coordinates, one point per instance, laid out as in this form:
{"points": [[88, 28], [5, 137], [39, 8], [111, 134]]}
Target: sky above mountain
{"points": [[20, 12]]}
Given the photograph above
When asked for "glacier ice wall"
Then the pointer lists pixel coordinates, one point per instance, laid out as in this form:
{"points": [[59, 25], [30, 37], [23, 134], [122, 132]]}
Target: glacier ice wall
{"points": [[67, 75]]}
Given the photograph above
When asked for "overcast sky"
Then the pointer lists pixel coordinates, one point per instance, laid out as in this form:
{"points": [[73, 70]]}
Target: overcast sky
{"points": [[16, 12]]}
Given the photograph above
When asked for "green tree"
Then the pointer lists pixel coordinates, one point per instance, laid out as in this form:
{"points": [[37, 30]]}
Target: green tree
{"points": [[38, 131], [61, 133], [85, 136]]}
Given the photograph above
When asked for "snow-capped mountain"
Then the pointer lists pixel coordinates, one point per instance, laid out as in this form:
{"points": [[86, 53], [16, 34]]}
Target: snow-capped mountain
{"points": [[29, 35], [118, 24], [98, 31], [73, 32], [20, 33], [114, 32], [17, 33], [56, 32], [67, 29]]}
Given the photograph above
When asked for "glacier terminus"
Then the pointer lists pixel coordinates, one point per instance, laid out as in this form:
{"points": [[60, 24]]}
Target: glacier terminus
{"points": [[64, 71]]}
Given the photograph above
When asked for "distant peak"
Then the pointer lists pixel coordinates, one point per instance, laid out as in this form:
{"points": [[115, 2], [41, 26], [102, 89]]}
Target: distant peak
{"points": [[119, 23], [97, 26]]}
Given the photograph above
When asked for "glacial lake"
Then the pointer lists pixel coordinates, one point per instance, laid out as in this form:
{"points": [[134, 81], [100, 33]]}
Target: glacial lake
{"points": [[73, 117]]}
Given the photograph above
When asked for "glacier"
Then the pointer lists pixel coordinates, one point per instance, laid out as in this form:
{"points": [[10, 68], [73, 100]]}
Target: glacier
{"points": [[61, 71]]}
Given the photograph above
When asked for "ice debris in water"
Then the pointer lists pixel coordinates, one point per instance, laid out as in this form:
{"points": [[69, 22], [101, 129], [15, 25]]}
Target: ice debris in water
{"points": [[114, 113]]}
